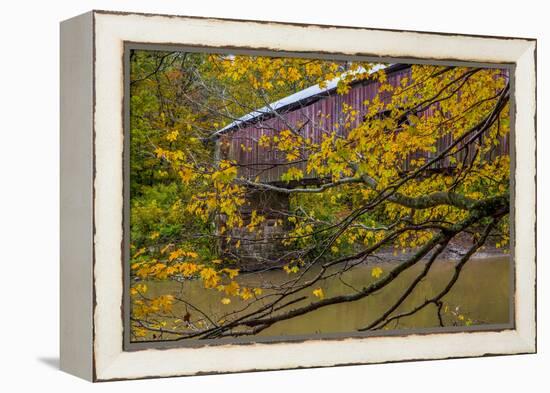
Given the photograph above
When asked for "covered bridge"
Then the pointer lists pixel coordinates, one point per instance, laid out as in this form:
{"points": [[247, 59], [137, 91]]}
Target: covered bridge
{"points": [[312, 111]]}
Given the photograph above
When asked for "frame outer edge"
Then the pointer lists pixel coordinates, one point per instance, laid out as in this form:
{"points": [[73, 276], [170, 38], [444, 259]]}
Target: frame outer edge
{"points": [[76, 196], [115, 363]]}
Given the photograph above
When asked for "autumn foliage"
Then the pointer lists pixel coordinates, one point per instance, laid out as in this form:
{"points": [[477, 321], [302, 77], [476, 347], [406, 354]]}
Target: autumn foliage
{"points": [[382, 184]]}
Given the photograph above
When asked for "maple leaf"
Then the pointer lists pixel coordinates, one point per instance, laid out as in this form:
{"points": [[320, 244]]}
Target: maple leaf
{"points": [[319, 293]]}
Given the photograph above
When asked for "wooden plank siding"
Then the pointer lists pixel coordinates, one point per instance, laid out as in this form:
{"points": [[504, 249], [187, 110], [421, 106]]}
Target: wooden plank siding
{"points": [[241, 142]]}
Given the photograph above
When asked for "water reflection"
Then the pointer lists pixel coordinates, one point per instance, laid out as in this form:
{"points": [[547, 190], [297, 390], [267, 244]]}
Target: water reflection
{"points": [[480, 296]]}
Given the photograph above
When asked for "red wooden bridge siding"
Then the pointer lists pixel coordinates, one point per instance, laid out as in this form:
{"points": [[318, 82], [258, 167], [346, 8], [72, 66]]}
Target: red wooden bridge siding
{"points": [[240, 144]]}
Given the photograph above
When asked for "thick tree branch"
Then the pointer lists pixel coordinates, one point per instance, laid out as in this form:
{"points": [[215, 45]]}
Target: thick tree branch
{"points": [[423, 202]]}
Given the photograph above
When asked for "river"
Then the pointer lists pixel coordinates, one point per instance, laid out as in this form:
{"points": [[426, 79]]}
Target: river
{"points": [[480, 296]]}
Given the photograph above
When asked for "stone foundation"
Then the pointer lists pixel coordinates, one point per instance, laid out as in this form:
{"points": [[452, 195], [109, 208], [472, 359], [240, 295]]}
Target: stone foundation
{"points": [[261, 248]]}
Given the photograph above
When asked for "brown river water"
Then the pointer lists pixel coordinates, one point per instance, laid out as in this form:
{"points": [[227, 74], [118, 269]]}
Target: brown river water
{"points": [[480, 296]]}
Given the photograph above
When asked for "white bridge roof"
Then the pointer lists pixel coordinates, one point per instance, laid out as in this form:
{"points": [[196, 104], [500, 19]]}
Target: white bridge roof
{"points": [[301, 95]]}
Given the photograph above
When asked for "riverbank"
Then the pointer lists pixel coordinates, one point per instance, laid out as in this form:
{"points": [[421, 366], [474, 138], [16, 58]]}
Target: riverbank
{"points": [[455, 250]]}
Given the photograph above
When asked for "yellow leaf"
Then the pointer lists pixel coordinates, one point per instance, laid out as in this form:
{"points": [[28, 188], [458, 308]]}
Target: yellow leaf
{"points": [[209, 277], [232, 288], [172, 136], [246, 293], [232, 273], [140, 251], [226, 300], [174, 255], [293, 269], [140, 332], [376, 272], [188, 268], [186, 174], [258, 291], [319, 293]]}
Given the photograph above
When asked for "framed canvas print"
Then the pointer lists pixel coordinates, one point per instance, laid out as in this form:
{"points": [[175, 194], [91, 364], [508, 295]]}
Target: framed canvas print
{"points": [[244, 195]]}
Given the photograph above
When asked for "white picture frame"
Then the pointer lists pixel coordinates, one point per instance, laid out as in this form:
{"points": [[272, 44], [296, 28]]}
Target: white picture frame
{"points": [[92, 199]]}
